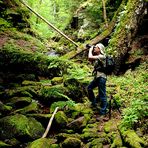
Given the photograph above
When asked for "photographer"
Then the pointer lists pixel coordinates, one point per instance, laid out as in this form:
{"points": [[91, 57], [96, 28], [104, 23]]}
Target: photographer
{"points": [[97, 53]]}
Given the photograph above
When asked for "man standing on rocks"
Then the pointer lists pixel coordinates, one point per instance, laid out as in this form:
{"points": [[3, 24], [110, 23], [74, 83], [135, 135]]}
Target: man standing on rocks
{"points": [[96, 53]]}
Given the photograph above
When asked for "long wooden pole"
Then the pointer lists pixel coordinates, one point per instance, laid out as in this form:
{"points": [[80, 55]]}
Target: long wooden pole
{"points": [[50, 122], [52, 26]]}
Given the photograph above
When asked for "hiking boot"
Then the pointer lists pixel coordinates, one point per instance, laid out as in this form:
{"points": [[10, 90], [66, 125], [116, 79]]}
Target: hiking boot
{"points": [[102, 118]]}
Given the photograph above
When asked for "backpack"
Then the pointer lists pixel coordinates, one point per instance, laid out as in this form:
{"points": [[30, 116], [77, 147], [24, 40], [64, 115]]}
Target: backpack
{"points": [[106, 67]]}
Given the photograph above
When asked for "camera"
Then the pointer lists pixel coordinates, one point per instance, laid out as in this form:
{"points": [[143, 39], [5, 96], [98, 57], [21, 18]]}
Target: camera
{"points": [[88, 46]]}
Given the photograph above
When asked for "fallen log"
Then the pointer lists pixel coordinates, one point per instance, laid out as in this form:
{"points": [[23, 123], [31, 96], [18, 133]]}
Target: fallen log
{"points": [[101, 36]]}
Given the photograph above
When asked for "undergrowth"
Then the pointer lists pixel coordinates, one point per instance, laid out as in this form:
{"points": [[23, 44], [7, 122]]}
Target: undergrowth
{"points": [[131, 92]]}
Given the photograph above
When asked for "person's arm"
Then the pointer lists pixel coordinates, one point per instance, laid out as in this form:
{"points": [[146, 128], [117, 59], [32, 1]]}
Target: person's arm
{"points": [[94, 57]]}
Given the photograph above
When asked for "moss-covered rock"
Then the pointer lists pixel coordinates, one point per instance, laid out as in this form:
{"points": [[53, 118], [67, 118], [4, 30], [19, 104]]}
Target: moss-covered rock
{"points": [[62, 136], [89, 135], [19, 102], [96, 143], [61, 119], [21, 127], [75, 88], [52, 94], [131, 139], [56, 80], [66, 106], [117, 141], [31, 83], [71, 142], [18, 92], [82, 109], [77, 124], [111, 125], [43, 143]]}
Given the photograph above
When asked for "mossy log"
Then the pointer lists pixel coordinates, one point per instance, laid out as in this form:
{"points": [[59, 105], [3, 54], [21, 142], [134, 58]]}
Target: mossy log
{"points": [[126, 31]]}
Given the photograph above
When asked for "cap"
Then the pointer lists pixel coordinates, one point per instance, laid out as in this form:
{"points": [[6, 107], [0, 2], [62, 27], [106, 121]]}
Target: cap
{"points": [[102, 48]]}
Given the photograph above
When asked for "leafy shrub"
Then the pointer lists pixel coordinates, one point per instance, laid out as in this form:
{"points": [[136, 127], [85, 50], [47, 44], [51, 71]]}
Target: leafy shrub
{"points": [[133, 114]]}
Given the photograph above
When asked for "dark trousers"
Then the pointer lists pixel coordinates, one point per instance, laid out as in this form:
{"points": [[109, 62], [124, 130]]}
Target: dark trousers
{"points": [[99, 82]]}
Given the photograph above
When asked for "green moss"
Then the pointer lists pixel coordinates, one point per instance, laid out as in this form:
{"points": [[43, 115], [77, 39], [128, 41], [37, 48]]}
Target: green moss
{"points": [[71, 142], [67, 106], [4, 23], [4, 145], [96, 143], [82, 109], [89, 135], [117, 141], [33, 107], [132, 139], [53, 94], [56, 80], [19, 92], [62, 136], [42, 143], [75, 88], [28, 83], [5, 108], [111, 126]]}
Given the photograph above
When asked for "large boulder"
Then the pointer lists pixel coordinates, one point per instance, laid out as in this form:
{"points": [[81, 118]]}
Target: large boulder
{"points": [[21, 127]]}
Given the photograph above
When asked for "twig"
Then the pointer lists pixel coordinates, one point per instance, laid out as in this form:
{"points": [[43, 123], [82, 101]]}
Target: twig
{"points": [[50, 122]]}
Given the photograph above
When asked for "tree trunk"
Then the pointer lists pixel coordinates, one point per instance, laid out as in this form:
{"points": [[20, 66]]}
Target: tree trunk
{"points": [[126, 30], [104, 13]]}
